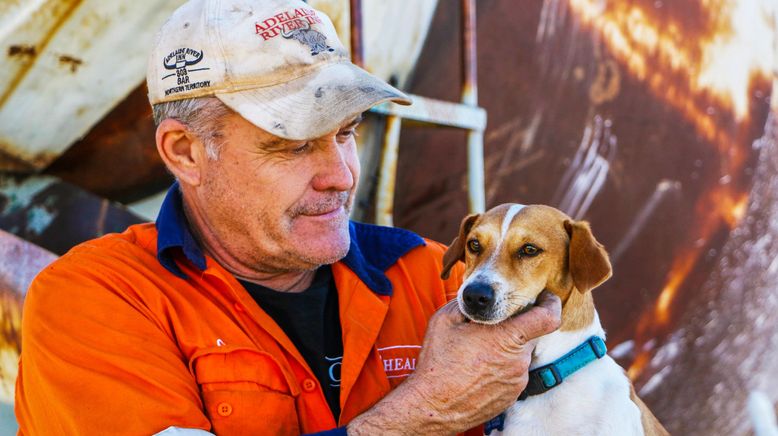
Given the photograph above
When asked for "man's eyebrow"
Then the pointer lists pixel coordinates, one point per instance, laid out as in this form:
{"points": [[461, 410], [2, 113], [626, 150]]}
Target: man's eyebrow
{"points": [[358, 119], [273, 143]]}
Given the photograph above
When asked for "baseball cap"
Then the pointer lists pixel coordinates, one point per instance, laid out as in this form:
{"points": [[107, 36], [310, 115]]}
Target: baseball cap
{"points": [[278, 63]]}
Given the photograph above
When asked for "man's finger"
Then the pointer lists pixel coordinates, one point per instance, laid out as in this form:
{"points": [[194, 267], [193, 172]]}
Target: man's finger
{"points": [[550, 301], [542, 319]]}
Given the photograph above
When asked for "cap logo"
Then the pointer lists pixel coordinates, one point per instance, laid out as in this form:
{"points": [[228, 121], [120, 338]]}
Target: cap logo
{"points": [[180, 60], [295, 25]]}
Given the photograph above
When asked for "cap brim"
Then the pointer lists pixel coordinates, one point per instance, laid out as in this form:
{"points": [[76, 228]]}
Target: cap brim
{"points": [[315, 104]]}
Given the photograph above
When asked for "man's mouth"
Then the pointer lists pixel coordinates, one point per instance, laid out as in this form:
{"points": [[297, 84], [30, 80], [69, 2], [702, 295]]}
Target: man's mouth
{"points": [[325, 213], [326, 208]]}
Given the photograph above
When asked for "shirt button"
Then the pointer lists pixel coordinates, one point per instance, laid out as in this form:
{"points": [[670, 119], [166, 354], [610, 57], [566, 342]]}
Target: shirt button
{"points": [[238, 307], [309, 385], [224, 409]]}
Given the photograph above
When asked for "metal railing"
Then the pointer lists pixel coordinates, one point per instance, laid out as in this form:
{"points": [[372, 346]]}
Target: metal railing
{"points": [[464, 115]]}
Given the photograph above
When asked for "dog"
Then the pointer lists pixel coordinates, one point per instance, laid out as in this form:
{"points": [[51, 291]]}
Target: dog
{"points": [[514, 252]]}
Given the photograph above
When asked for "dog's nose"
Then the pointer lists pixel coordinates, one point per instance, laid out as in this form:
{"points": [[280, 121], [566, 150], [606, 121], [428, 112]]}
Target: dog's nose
{"points": [[478, 298]]}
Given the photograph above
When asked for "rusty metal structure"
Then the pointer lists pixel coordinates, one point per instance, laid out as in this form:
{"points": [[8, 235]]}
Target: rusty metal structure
{"points": [[653, 120], [466, 115], [20, 261], [650, 120], [63, 48]]}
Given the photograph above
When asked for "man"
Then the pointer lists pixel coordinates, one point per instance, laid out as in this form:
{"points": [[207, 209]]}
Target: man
{"points": [[253, 305]]}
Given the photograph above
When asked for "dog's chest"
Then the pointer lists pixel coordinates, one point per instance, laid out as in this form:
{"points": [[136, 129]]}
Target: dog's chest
{"points": [[594, 401]]}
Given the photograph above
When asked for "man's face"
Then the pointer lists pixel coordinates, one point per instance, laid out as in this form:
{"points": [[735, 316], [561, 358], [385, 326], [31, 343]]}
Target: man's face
{"points": [[279, 205]]}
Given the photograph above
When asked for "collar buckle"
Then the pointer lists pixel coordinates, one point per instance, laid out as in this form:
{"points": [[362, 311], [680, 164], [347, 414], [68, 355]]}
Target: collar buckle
{"points": [[549, 377], [541, 380]]}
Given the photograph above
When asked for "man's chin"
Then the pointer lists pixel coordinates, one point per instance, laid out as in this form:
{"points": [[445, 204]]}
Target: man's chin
{"points": [[326, 254], [324, 245]]}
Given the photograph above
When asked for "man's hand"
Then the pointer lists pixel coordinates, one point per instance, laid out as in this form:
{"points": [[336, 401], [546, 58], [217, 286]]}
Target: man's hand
{"points": [[466, 374]]}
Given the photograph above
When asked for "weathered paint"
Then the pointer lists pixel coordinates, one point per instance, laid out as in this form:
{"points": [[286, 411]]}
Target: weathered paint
{"points": [[56, 215], [126, 138], [640, 117], [89, 54], [20, 261]]}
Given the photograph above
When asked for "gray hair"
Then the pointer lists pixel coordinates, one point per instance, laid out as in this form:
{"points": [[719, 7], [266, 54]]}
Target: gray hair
{"points": [[203, 116]]}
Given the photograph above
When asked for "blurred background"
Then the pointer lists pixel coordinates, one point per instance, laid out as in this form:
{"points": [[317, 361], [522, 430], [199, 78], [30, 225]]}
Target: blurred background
{"points": [[652, 119]]}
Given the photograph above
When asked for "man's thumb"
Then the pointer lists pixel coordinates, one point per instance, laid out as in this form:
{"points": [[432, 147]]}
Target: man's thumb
{"points": [[542, 319]]}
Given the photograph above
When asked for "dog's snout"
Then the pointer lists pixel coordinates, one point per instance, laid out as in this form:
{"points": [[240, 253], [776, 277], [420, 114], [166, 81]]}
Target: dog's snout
{"points": [[478, 298]]}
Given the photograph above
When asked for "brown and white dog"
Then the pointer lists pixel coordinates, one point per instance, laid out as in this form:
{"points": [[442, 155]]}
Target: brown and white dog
{"points": [[512, 253]]}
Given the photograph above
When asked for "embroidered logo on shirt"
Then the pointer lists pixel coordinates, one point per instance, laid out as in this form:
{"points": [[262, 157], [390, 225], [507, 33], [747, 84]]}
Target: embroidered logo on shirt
{"points": [[399, 360]]}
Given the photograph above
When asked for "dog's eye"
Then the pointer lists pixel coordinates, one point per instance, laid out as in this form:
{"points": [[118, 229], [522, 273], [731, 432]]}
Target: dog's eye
{"points": [[529, 250], [474, 246]]}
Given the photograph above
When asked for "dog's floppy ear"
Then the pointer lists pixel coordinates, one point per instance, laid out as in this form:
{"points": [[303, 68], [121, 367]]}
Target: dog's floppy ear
{"points": [[588, 260], [456, 250]]}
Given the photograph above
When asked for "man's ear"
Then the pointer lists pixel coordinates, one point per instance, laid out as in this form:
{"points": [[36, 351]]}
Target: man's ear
{"points": [[456, 250], [588, 261], [182, 152]]}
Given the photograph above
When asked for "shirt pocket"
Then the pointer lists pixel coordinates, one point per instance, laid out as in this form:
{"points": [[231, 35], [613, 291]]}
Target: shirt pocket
{"points": [[245, 391]]}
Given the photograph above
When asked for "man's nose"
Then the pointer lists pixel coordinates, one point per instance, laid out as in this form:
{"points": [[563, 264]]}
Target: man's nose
{"points": [[334, 172], [478, 298]]}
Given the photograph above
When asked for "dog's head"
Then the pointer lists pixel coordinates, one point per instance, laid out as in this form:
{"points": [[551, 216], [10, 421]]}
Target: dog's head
{"points": [[513, 252]]}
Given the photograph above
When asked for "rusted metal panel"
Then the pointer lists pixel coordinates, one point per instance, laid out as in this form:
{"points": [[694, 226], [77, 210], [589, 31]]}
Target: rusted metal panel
{"points": [[355, 30], [641, 117], [20, 261], [89, 54], [469, 54], [118, 158], [56, 215], [725, 344]]}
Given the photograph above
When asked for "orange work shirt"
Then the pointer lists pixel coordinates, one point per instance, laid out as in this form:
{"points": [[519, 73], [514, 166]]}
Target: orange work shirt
{"points": [[136, 332]]}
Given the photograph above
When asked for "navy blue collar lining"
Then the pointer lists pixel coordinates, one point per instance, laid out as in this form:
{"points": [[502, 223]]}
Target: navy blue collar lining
{"points": [[173, 234], [373, 248]]}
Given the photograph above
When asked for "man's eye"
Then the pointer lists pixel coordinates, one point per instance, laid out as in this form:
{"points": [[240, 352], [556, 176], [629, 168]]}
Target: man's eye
{"points": [[345, 134], [474, 246], [302, 149], [529, 250]]}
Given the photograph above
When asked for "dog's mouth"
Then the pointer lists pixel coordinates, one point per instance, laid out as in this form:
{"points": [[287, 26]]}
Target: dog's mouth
{"points": [[492, 317], [480, 302]]}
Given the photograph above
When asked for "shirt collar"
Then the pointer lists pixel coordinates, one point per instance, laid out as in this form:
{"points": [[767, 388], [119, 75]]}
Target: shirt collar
{"points": [[373, 249], [174, 236]]}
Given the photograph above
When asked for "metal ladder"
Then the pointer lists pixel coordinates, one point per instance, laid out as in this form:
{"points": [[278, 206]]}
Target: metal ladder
{"points": [[464, 115]]}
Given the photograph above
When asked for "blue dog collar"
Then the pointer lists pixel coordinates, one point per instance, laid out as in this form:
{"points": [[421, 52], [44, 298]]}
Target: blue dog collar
{"points": [[549, 376]]}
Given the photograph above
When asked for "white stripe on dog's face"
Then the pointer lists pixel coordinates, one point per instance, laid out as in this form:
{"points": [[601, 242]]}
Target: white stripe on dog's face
{"points": [[506, 222]]}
